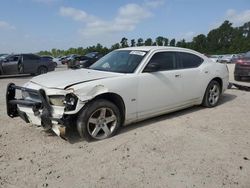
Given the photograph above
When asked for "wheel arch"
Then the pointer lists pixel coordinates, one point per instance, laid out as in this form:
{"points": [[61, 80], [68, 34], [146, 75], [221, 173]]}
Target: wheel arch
{"points": [[116, 99], [219, 80]]}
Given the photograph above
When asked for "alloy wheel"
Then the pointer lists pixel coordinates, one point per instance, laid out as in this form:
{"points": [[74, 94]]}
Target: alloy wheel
{"points": [[214, 94], [102, 123]]}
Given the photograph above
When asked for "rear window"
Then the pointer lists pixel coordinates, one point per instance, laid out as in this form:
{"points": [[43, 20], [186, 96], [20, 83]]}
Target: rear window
{"points": [[188, 60]]}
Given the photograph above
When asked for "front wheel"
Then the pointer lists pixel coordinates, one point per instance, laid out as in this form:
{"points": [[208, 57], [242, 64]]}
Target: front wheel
{"points": [[100, 119], [212, 94]]}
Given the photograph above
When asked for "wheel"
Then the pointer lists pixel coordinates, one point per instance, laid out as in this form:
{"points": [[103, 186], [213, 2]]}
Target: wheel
{"points": [[100, 119], [212, 94], [42, 70], [237, 78]]}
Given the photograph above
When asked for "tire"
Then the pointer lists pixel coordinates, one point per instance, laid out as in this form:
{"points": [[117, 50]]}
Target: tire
{"points": [[100, 119], [212, 94], [42, 70], [237, 78]]}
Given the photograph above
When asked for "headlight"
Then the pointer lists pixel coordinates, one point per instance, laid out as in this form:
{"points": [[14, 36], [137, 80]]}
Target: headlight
{"points": [[70, 102], [57, 100]]}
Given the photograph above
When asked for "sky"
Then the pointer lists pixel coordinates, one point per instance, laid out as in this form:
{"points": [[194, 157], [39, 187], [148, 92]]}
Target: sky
{"points": [[35, 25]]}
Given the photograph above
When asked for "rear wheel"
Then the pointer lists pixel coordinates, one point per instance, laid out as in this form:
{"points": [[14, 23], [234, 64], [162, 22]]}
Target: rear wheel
{"points": [[42, 70], [212, 95], [100, 119]]}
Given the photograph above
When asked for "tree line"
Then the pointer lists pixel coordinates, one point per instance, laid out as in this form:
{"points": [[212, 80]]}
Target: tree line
{"points": [[222, 40]]}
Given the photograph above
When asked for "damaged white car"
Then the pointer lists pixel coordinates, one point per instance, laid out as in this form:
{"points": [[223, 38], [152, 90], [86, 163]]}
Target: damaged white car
{"points": [[125, 86]]}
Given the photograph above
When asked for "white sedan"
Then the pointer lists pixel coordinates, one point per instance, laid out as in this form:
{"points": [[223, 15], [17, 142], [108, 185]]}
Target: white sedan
{"points": [[125, 86]]}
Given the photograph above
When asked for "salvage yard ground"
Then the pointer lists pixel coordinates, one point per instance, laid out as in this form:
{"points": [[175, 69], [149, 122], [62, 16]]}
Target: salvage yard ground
{"points": [[196, 147]]}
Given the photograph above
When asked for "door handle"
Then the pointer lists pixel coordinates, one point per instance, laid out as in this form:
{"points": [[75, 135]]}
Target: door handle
{"points": [[177, 76]]}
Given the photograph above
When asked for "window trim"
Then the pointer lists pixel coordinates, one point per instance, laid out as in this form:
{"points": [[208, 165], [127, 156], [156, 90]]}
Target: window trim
{"points": [[180, 65], [167, 51]]}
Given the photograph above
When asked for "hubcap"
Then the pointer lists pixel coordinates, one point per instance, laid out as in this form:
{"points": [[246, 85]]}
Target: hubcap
{"points": [[214, 94], [102, 123]]}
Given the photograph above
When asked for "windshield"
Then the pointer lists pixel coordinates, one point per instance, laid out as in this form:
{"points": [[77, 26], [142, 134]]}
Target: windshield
{"points": [[123, 61]]}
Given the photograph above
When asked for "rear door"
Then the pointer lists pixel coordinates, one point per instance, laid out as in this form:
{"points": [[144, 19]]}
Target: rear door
{"points": [[11, 65], [191, 76], [31, 63]]}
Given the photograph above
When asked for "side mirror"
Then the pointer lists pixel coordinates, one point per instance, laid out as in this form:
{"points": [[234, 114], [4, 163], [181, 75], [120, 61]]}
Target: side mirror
{"points": [[5, 60], [152, 67]]}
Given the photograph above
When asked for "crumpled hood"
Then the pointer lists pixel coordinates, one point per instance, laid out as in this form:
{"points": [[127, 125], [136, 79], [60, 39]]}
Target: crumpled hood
{"points": [[64, 79]]}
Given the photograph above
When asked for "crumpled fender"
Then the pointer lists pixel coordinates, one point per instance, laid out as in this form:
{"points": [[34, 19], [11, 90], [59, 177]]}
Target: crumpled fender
{"points": [[92, 93]]}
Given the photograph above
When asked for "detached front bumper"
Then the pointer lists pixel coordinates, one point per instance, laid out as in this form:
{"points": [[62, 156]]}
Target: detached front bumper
{"points": [[36, 110]]}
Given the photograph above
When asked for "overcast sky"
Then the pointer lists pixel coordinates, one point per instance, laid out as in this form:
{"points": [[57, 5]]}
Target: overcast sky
{"points": [[34, 25]]}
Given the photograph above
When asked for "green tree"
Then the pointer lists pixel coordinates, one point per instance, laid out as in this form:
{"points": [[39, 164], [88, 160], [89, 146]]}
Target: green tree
{"points": [[132, 42], [124, 42], [148, 42], [165, 40], [115, 46], [199, 43], [172, 42], [140, 42], [159, 41], [181, 43]]}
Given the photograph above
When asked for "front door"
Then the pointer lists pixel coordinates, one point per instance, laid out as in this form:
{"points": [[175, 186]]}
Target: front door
{"points": [[10, 65], [160, 90]]}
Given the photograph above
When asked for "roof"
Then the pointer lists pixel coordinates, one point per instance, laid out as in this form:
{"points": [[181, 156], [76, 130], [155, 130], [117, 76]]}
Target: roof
{"points": [[157, 48], [149, 48]]}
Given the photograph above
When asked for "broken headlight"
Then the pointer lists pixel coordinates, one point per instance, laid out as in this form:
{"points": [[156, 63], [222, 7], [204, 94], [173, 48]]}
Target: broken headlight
{"points": [[70, 102], [57, 100]]}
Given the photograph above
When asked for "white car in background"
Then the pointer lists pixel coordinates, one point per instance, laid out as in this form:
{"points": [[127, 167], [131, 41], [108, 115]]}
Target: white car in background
{"points": [[228, 58], [127, 85], [214, 58]]}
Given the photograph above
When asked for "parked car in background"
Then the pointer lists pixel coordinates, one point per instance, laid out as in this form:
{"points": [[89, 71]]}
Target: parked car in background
{"points": [[214, 58], [228, 58], [85, 60], [3, 56], [25, 64], [57, 61], [242, 67], [63, 59], [68, 58], [125, 86], [51, 59]]}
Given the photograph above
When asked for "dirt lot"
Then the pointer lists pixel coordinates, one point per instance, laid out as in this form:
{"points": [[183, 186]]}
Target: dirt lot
{"points": [[196, 147]]}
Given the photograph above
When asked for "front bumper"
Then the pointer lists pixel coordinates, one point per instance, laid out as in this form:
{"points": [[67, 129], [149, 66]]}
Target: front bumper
{"points": [[36, 112]]}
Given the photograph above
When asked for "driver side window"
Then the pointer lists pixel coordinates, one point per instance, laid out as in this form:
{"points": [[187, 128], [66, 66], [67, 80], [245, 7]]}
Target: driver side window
{"points": [[13, 58], [164, 61]]}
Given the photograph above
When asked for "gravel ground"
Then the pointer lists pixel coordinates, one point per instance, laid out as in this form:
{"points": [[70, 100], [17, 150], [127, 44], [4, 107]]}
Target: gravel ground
{"points": [[196, 147]]}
